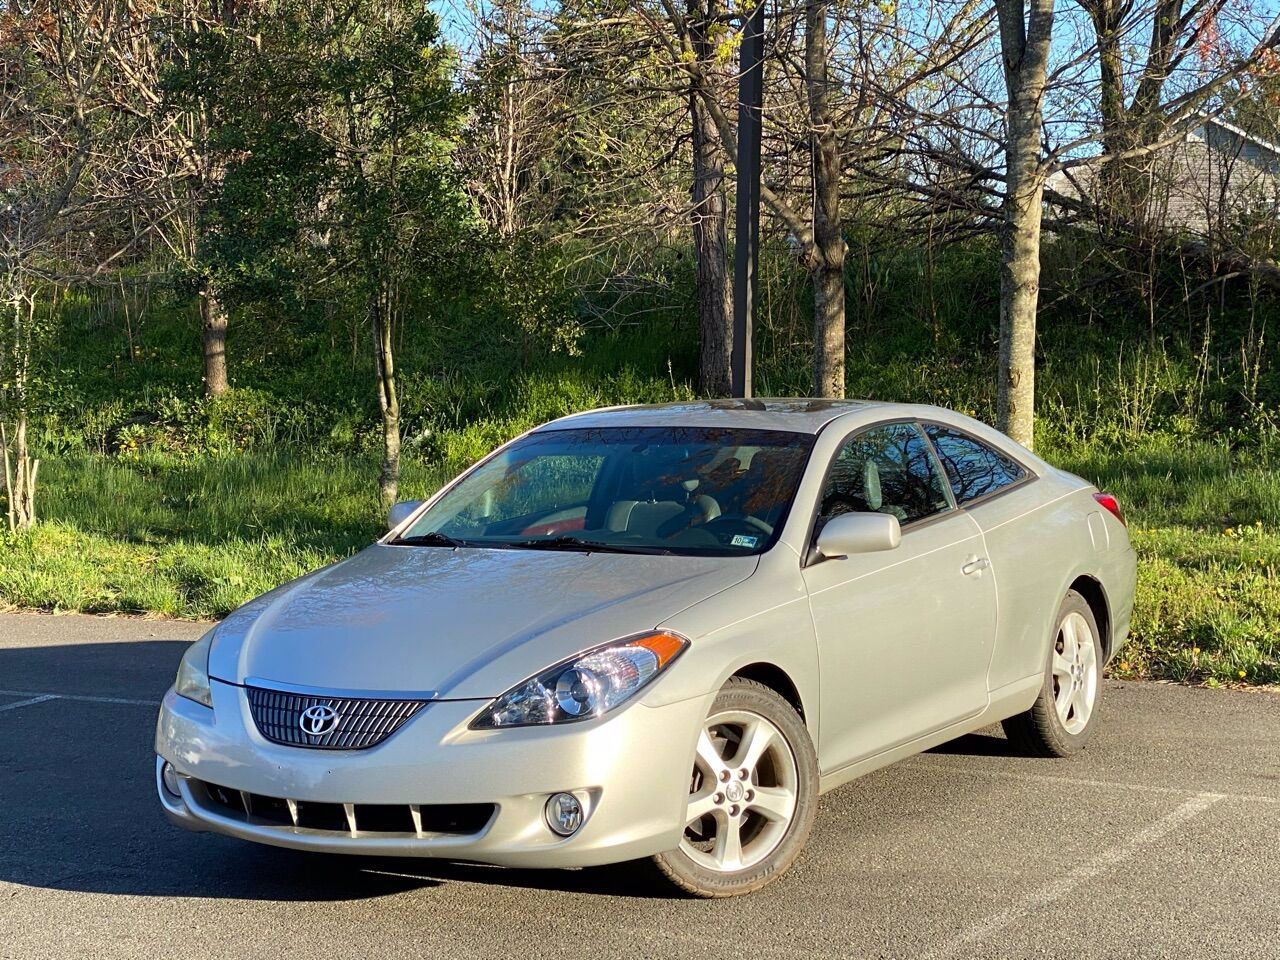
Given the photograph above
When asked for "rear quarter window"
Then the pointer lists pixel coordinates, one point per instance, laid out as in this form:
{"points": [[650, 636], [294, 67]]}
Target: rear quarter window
{"points": [[974, 469]]}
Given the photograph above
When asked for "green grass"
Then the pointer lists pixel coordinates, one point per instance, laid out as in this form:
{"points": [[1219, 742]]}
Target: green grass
{"points": [[154, 501], [1206, 525], [62, 567], [192, 538], [1208, 605], [198, 538]]}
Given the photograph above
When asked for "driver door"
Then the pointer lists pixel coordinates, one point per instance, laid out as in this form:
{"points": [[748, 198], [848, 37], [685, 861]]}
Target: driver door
{"points": [[905, 635]]}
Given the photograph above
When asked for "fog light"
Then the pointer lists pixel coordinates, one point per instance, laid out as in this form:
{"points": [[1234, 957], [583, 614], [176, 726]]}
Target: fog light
{"points": [[169, 777], [564, 814]]}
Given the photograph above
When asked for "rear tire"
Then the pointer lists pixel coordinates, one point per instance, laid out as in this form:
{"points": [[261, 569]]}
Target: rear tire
{"points": [[752, 797], [1065, 713]]}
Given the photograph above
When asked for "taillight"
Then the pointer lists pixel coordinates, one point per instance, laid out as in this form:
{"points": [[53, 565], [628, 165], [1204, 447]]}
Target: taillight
{"points": [[1111, 504]]}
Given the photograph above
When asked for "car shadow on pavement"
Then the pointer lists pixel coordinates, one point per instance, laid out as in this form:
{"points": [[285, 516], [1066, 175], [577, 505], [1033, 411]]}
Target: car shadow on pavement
{"points": [[979, 744], [637, 879], [77, 787]]}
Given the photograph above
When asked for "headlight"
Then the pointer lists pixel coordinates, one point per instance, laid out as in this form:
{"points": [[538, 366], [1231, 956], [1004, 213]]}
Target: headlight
{"points": [[193, 671], [590, 684]]}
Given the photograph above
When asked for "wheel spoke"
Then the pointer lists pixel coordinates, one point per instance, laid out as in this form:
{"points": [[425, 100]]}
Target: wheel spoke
{"points": [[1083, 702], [755, 741], [1070, 642], [1063, 703], [1088, 654], [775, 803], [700, 805], [1061, 666], [708, 756], [728, 848]]}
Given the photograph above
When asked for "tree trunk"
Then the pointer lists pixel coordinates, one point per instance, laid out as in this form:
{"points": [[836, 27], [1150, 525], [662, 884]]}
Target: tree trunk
{"points": [[1020, 292], [826, 258], [1124, 188], [213, 327], [1107, 17], [20, 473], [710, 240], [1025, 49], [388, 399], [1119, 193]]}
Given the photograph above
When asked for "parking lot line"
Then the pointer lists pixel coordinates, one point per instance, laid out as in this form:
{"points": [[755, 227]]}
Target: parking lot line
{"points": [[27, 703], [986, 773], [1062, 887], [39, 697]]}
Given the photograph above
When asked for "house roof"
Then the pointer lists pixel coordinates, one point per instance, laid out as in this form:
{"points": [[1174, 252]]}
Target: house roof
{"points": [[1215, 173], [1207, 120]]}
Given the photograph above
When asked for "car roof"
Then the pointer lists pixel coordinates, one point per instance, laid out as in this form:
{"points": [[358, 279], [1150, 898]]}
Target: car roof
{"points": [[793, 414]]}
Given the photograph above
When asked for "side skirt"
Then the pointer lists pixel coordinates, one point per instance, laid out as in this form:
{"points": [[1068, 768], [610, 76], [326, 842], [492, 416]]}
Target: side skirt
{"points": [[1007, 701]]}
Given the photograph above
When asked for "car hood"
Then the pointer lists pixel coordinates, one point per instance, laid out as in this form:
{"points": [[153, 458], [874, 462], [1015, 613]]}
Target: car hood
{"points": [[459, 624]]}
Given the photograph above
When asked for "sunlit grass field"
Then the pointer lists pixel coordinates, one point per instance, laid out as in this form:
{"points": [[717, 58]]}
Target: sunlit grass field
{"points": [[198, 538], [1206, 525], [154, 501]]}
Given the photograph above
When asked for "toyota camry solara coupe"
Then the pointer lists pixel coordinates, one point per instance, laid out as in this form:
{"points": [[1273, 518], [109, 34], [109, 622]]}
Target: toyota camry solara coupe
{"points": [[657, 632]]}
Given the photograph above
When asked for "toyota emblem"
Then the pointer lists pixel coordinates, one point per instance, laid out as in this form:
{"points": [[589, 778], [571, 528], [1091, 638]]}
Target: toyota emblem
{"points": [[318, 720]]}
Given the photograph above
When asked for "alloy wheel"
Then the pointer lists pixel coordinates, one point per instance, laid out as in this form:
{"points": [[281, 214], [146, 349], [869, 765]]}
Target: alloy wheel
{"points": [[1075, 673], [743, 793]]}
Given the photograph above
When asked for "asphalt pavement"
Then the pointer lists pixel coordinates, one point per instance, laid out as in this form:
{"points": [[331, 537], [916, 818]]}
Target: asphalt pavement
{"points": [[1162, 840]]}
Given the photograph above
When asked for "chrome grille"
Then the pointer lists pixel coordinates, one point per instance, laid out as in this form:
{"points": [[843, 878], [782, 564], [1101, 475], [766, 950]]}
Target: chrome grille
{"points": [[361, 722]]}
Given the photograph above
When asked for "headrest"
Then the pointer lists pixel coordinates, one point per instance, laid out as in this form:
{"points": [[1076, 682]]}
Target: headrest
{"points": [[871, 485]]}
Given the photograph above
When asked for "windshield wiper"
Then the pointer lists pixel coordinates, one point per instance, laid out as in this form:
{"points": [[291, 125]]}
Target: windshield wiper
{"points": [[433, 539], [578, 543]]}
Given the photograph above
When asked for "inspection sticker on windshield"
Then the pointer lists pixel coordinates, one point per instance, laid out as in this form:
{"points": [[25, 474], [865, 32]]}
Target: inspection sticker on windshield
{"points": [[741, 540]]}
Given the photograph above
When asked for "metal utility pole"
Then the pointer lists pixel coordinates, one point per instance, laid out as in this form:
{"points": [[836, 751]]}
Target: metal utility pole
{"points": [[747, 238]]}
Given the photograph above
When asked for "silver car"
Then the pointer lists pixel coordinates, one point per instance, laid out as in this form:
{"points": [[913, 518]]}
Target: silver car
{"points": [[659, 632]]}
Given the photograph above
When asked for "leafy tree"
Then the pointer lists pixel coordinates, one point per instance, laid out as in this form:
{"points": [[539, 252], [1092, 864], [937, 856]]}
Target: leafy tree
{"points": [[336, 121]]}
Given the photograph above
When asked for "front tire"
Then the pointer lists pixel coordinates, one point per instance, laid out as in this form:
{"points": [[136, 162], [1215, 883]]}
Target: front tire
{"points": [[752, 795], [1065, 713]]}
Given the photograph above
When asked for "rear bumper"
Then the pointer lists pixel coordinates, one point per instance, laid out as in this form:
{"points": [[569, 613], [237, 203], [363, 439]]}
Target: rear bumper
{"points": [[631, 770], [1121, 584]]}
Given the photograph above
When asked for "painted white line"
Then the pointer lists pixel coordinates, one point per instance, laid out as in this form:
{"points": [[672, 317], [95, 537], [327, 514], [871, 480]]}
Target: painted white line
{"points": [[1058, 889], [982, 774], [26, 703], [78, 697]]}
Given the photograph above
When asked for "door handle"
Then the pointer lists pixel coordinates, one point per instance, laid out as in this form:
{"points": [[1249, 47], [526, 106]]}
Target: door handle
{"points": [[975, 565]]}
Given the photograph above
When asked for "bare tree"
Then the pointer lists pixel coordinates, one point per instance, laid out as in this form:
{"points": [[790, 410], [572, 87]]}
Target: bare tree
{"points": [[510, 140], [836, 81], [826, 252], [816, 235], [1138, 112], [55, 125], [1026, 33], [619, 73], [709, 212], [980, 153], [187, 172], [20, 467]]}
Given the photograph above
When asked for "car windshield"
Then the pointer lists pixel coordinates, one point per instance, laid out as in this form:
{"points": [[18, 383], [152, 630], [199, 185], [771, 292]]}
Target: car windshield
{"points": [[682, 490]]}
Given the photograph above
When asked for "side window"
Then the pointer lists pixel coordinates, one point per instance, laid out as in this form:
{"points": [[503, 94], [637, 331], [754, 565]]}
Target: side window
{"points": [[887, 469], [973, 468]]}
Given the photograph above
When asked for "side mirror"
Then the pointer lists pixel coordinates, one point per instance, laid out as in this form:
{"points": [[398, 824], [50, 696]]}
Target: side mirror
{"points": [[859, 533], [399, 513]]}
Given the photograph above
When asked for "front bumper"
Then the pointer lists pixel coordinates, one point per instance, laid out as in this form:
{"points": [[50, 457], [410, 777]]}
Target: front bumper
{"points": [[630, 768]]}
